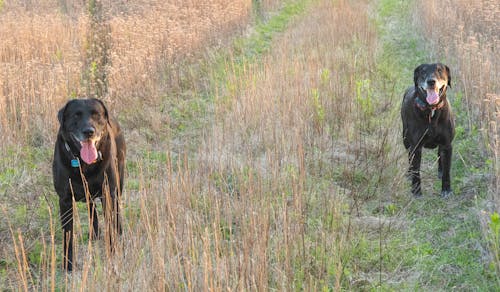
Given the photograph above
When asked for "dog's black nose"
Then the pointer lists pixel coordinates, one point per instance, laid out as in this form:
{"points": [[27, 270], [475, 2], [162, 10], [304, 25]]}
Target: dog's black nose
{"points": [[431, 82], [89, 132]]}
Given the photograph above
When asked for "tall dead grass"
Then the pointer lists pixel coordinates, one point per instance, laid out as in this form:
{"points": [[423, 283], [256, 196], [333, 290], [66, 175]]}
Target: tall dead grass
{"points": [[44, 47], [251, 211], [256, 206]]}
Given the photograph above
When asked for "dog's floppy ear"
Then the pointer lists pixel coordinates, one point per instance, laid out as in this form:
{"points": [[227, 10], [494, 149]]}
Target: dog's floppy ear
{"points": [[60, 114], [416, 73], [106, 115], [449, 75]]}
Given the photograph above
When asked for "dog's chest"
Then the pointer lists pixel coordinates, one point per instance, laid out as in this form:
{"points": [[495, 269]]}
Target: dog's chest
{"points": [[91, 189], [434, 136]]}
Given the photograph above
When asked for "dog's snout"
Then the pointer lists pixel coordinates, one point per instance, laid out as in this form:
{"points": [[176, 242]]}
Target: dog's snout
{"points": [[88, 132], [431, 82]]}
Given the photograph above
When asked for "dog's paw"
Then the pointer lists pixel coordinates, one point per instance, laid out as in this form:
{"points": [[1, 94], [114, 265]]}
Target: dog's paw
{"points": [[417, 195], [446, 194]]}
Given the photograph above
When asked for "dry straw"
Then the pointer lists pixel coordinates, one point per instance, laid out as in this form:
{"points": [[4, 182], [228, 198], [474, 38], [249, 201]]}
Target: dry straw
{"points": [[44, 47], [233, 215]]}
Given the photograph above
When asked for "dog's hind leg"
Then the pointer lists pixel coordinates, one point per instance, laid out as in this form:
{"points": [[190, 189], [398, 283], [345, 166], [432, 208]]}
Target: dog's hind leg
{"points": [[445, 156]]}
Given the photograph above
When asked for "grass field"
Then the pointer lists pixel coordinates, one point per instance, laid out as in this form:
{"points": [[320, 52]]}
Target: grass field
{"points": [[264, 141]]}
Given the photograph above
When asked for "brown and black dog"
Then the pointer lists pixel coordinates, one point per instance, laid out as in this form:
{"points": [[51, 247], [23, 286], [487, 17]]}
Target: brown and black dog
{"points": [[89, 159], [428, 122]]}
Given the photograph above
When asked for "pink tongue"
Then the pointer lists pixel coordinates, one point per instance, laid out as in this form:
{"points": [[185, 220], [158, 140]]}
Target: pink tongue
{"points": [[88, 153], [432, 97]]}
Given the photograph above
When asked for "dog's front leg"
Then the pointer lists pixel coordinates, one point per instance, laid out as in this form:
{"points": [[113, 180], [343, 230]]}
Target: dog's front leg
{"points": [[415, 157], [66, 214], [445, 157]]}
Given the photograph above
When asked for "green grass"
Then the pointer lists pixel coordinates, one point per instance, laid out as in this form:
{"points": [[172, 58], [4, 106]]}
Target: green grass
{"points": [[260, 41], [451, 236]]}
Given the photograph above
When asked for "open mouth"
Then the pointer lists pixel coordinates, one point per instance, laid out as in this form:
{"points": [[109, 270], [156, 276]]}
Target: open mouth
{"points": [[88, 149], [433, 95], [88, 152]]}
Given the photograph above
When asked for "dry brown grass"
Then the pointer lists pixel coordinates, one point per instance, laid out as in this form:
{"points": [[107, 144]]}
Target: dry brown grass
{"points": [[43, 51], [245, 213], [253, 208], [43, 48]]}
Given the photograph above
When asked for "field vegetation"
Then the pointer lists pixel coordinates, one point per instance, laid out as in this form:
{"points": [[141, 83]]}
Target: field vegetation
{"points": [[264, 139]]}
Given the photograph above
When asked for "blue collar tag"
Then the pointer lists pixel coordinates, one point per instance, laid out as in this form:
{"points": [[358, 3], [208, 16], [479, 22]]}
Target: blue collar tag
{"points": [[75, 163]]}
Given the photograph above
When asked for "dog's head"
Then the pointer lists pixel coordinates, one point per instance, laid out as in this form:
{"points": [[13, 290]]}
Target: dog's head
{"points": [[432, 79], [83, 123]]}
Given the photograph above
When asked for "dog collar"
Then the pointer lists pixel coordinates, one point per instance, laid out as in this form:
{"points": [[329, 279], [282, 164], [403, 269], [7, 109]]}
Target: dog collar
{"points": [[423, 106], [75, 162], [420, 104]]}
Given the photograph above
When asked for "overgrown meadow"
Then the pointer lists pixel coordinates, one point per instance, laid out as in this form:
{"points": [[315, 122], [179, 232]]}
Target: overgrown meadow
{"points": [[264, 144]]}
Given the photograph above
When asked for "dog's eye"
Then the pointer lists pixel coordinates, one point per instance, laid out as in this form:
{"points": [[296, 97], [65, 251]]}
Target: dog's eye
{"points": [[78, 114], [96, 116]]}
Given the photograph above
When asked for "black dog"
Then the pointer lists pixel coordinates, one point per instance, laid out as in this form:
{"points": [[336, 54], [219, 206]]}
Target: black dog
{"points": [[428, 122], [89, 159]]}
